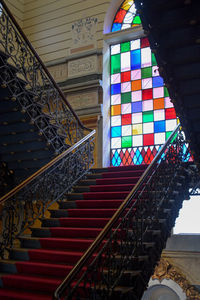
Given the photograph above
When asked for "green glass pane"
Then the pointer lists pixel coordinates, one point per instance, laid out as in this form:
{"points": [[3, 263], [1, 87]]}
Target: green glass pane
{"points": [[137, 20], [147, 116], [146, 72], [126, 141], [125, 47], [166, 93], [115, 64], [126, 97], [154, 63], [167, 134]]}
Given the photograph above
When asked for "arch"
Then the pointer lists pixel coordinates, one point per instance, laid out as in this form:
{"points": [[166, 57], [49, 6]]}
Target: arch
{"points": [[111, 12]]}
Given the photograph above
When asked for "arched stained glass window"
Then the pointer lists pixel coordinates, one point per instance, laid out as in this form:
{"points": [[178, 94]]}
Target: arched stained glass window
{"points": [[142, 114], [126, 16]]}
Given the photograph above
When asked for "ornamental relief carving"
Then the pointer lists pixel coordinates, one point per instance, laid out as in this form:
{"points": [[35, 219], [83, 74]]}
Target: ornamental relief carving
{"points": [[165, 270], [83, 66], [84, 100]]}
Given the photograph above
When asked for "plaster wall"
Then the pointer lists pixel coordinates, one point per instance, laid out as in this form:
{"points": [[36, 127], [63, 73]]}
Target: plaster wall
{"points": [[17, 9]]}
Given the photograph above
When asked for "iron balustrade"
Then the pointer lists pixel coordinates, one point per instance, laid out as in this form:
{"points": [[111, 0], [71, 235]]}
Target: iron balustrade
{"points": [[35, 89], [31, 199], [100, 270]]}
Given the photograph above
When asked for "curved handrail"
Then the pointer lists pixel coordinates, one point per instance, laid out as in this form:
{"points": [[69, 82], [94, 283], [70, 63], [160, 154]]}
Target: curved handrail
{"points": [[43, 66], [87, 255], [44, 168]]}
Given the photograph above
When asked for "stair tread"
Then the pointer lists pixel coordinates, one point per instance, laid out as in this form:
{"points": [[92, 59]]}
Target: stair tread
{"points": [[15, 294]]}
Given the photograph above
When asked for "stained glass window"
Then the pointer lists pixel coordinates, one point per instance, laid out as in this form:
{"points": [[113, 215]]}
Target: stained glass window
{"points": [[142, 115], [126, 16]]}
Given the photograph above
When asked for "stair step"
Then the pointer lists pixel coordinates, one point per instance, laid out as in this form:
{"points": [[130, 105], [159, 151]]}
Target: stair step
{"points": [[76, 232], [14, 294]]}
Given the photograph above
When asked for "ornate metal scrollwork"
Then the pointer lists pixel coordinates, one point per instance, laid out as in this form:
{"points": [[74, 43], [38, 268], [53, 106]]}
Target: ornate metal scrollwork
{"points": [[124, 242]]}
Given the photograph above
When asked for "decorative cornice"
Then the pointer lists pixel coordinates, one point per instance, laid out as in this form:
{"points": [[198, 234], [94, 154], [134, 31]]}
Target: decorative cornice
{"points": [[165, 270]]}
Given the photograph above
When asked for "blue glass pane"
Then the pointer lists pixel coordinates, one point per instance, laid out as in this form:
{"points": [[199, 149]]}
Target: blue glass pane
{"points": [[136, 107], [116, 89], [116, 27], [137, 159], [157, 81], [135, 59], [159, 126], [116, 131], [116, 160]]}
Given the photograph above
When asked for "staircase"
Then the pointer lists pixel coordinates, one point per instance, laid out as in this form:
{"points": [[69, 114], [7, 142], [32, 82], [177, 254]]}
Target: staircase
{"points": [[41, 261]]}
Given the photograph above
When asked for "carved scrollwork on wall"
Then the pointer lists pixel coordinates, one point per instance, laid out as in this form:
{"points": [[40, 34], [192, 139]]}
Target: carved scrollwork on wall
{"points": [[165, 270]]}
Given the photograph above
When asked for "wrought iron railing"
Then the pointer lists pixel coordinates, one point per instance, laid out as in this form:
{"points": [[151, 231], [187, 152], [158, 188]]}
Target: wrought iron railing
{"points": [[34, 87], [30, 199], [103, 265]]}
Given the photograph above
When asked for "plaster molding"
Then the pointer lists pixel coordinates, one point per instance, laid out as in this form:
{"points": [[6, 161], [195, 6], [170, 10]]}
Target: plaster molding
{"points": [[83, 100], [165, 270], [83, 66]]}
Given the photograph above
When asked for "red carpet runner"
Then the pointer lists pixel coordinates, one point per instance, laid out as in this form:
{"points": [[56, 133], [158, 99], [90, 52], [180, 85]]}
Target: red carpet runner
{"points": [[44, 259]]}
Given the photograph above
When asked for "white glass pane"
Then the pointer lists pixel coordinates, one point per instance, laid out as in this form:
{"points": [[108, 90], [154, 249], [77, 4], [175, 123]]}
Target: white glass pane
{"points": [[147, 105], [125, 26], [135, 44], [146, 83], [115, 78], [125, 62], [168, 103], [159, 138], [125, 87], [136, 96], [148, 127], [137, 118], [159, 114], [155, 71], [158, 92], [116, 121], [115, 143], [126, 108], [145, 57], [136, 74], [115, 49], [128, 18], [116, 99], [170, 124], [126, 130], [137, 140], [132, 9]]}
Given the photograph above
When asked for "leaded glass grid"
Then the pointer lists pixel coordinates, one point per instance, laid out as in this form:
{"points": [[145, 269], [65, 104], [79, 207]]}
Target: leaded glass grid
{"points": [[126, 16], [142, 114]]}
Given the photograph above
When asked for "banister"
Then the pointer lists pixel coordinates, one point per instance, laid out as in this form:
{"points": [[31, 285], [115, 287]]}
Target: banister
{"points": [[42, 64], [102, 235], [45, 168]]}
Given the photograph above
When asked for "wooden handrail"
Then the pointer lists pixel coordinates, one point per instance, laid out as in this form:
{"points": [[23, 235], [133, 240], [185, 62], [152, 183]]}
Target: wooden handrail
{"points": [[42, 64], [102, 235], [44, 168]]}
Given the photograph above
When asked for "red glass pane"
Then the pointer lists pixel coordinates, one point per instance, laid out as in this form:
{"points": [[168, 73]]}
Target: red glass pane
{"points": [[144, 43], [125, 76], [148, 139], [170, 113], [120, 16], [147, 94], [126, 119]]}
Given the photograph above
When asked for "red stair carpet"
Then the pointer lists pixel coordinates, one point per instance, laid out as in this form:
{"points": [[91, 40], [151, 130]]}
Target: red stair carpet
{"points": [[36, 269]]}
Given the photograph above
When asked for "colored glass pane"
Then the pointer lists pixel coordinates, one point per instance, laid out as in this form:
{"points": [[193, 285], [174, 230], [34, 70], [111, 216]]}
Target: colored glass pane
{"points": [[147, 94], [146, 72], [126, 119], [137, 129], [166, 93], [157, 81], [158, 103], [125, 76], [148, 139], [126, 141], [170, 113], [144, 42], [127, 4], [136, 107], [137, 20], [115, 89], [115, 64], [147, 116], [136, 85], [115, 110], [153, 58], [116, 131], [135, 59], [125, 47], [116, 27], [167, 134], [120, 16], [159, 126], [126, 97]]}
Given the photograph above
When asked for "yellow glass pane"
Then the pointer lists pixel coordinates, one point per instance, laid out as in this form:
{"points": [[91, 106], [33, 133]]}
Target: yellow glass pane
{"points": [[126, 5], [137, 129], [116, 110]]}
